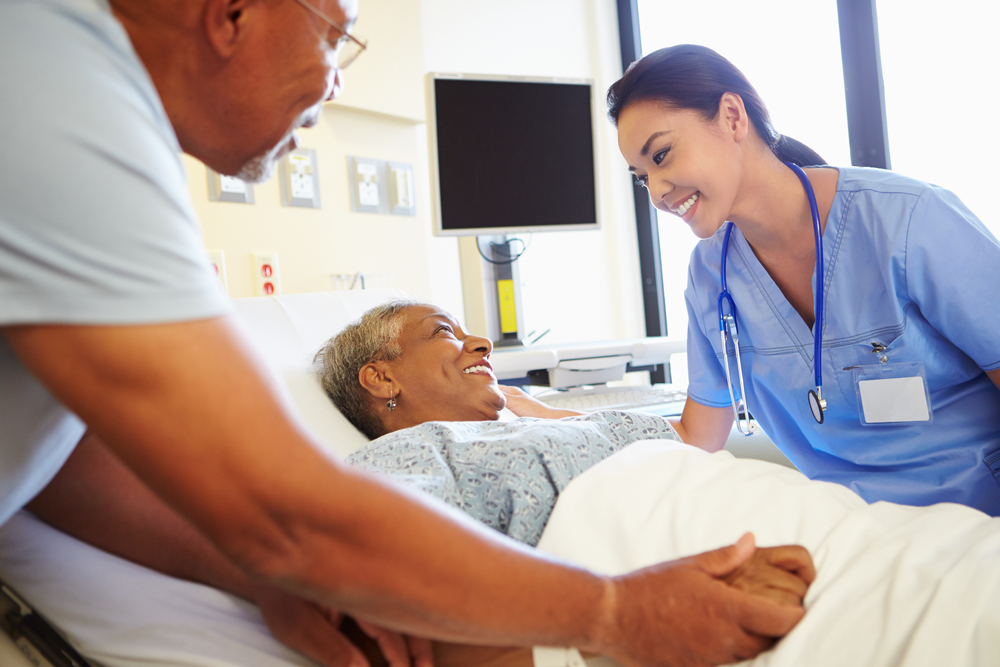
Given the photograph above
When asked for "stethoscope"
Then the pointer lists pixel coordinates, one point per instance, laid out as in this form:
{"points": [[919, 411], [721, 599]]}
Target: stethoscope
{"points": [[727, 323]]}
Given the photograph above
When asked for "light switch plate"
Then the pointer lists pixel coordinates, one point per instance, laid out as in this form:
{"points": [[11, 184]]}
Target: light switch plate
{"points": [[299, 179], [402, 195], [228, 188]]}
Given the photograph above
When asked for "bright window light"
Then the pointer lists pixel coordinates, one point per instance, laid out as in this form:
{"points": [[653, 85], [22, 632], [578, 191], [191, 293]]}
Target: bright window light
{"points": [[939, 72], [790, 51]]}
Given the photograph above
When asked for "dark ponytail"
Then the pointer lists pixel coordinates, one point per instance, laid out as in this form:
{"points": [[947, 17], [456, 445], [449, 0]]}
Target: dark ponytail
{"points": [[694, 77], [792, 150]]}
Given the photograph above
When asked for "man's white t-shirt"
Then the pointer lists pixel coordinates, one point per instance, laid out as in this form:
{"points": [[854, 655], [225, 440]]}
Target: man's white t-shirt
{"points": [[96, 222]]}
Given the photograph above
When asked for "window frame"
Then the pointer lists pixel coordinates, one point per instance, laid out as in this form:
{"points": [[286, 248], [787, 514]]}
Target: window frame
{"points": [[866, 128]]}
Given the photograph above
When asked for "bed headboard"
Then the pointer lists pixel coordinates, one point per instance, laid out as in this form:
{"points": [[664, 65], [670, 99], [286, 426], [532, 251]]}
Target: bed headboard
{"points": [[288, 330]]}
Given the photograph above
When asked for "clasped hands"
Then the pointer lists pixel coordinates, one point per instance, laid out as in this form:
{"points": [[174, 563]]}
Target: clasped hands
{"points": [[718, 607], [714, 608]]}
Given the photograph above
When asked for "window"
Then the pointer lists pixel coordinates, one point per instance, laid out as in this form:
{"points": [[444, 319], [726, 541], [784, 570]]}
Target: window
{"points": [[941, 97], [790, 52]]}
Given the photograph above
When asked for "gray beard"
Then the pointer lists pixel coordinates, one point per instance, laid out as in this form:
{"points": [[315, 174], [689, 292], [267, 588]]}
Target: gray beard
{"points": [[260, 167]]}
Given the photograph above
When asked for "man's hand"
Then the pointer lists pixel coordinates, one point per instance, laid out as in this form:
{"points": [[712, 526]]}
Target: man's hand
{"points": [[314, 631], [683, 613], [523, 404]]}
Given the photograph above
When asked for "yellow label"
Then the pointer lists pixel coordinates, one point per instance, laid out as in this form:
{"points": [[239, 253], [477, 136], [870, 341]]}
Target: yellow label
{"points": [[508, 316]]}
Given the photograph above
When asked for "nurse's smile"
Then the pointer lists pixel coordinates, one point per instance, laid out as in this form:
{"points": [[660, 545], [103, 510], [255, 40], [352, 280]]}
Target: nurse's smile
{"points": [[686, 206]]}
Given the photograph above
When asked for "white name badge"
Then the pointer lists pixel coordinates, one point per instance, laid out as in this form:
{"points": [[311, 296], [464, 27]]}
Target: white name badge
{"points": [[893, 394]]}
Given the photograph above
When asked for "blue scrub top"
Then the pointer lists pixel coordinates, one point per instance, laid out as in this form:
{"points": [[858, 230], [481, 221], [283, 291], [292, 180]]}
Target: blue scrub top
{"points": [[908, 266]]}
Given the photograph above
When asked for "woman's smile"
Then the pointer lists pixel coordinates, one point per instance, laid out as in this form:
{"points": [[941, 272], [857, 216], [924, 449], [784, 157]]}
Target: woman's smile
{"points": [[481, 368], [685, 205]]}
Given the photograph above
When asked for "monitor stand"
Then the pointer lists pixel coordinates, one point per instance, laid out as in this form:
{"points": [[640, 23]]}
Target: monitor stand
{"points": [[506, 288], [491, 284]]}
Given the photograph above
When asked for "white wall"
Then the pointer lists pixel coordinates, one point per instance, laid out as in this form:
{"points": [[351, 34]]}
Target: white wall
{"points": [[582, 285], [312, 244]]}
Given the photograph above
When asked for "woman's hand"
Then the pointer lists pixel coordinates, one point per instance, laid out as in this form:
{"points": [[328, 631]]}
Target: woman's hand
{"points": [[524, 404], [781, 574]]}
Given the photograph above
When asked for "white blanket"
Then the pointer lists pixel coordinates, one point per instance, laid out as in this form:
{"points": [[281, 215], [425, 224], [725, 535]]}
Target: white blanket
{"points": [[895, 585]]}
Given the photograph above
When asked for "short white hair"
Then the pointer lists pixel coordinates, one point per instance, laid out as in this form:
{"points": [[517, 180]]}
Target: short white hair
{"points": [[375, 337]]}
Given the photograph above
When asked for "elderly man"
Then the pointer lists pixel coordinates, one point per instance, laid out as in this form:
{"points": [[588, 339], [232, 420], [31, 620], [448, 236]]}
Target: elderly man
{"points": [[111, 322]]}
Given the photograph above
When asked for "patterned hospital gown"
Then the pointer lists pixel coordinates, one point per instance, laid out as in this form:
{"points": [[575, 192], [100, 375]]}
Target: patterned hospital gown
{"points": [[506, 474]]}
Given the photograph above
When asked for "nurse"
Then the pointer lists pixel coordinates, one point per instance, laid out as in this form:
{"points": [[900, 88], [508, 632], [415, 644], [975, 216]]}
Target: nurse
{"points": [[905, 304]]}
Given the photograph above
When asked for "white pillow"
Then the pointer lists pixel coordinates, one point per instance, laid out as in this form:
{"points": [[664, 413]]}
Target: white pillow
{"points": [[320, 414], [288, 330]]}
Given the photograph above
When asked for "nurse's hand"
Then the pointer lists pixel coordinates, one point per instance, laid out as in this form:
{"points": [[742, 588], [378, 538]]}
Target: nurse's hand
{"points": [[523, 404]]}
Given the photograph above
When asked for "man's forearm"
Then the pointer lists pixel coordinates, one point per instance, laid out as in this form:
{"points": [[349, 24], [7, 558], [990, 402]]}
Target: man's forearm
{"points": [[411, 563], [206, 429], [98, 500]]}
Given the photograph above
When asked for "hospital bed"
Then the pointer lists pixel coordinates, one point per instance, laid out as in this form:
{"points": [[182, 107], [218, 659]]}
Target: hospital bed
{"points": [[121, 614]]}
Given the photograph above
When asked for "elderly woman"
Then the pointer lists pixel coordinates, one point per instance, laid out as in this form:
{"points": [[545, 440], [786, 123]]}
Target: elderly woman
{"points": [[894, 585], [421, 388]]}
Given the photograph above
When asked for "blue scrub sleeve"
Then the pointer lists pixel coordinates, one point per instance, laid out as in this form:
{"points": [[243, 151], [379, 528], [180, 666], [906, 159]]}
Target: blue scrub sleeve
{"points": [[953, 274], [706, 377]]}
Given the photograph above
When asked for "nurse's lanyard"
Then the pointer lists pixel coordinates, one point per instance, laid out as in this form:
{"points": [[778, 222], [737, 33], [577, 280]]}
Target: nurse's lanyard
{"points": [[728, 328]]}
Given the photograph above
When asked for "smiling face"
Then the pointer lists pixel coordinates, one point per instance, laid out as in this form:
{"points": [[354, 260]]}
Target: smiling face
{"points": [[442, 374], [691, 167]]}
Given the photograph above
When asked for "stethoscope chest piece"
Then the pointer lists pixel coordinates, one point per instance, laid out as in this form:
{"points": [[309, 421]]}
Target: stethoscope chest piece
{"points": [[817, 404]]}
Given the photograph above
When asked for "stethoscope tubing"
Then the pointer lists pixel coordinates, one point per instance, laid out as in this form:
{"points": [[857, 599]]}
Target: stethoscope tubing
{"points": [[725, 296], [818, 232]]}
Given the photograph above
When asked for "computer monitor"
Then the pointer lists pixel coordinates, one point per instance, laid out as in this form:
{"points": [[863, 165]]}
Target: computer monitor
{"points": [[511, 155]]}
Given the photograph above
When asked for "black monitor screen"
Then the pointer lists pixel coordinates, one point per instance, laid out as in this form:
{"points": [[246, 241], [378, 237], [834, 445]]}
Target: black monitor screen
{"points": [[513, 155]]}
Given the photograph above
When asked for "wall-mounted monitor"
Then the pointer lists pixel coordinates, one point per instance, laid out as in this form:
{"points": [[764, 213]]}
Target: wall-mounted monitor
{"points": [[511, 154]]}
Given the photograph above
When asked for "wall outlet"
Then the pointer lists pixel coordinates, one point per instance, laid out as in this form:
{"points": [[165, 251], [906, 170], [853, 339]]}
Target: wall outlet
{"points": [[218, 259], [366, 180], [228, 188], [299, 179], [266, 275], [378, 186]]}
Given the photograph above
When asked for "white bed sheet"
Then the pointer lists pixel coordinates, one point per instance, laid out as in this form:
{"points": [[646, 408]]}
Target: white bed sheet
{"points": [[122, 614], [895, 585]]}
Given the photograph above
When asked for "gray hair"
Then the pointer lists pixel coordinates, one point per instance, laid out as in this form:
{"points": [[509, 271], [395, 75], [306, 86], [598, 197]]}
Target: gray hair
{"points": [[375, 337]]}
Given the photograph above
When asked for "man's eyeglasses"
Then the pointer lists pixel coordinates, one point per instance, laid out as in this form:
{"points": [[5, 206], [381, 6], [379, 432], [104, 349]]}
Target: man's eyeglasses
{"points": [[347, 46]]}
